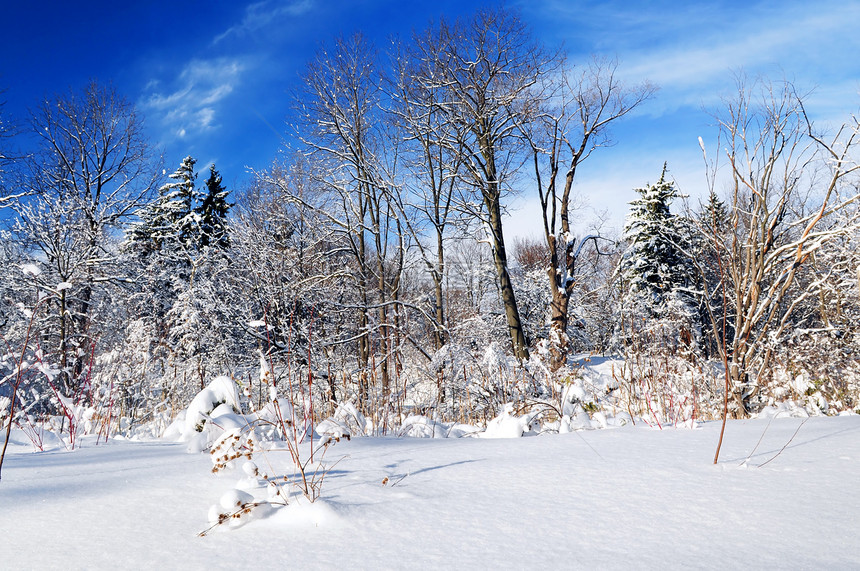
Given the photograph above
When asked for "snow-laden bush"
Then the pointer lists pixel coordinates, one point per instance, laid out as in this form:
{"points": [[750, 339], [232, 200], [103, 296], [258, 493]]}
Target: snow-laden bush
{"points": [[510, 425], [221, 391], [214, 420], [346, 422]]}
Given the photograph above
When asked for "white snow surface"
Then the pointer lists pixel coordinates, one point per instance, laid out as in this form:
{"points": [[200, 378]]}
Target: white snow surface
{"points": [[627, 497]]}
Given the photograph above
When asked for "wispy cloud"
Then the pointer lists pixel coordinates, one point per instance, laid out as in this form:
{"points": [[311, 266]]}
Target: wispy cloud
{"points": [[691, 50], [262, 14], [698, 60], [188, 105]]}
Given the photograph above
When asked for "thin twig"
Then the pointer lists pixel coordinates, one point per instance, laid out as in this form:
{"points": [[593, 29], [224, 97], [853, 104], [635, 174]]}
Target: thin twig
{"points": [[786, 444], [757, 443]]}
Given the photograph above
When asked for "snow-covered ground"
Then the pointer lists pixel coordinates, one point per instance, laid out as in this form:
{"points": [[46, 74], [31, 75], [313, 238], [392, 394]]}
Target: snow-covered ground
{"points": [[626, 498]]}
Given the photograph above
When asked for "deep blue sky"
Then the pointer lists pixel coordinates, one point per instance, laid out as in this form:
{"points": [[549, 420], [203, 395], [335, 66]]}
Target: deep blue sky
{"points": [[212, 78]]}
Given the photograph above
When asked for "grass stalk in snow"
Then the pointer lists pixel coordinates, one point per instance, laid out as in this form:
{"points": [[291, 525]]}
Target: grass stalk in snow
{"points": [[772, 458], [20, 369]]}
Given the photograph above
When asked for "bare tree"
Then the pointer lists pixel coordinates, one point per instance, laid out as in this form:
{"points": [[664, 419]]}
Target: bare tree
{"points": [[485, 70], [571, 122], [293, 269], [787, 183], [433, 186], [343, 129], [92, 169], [8, 130]]}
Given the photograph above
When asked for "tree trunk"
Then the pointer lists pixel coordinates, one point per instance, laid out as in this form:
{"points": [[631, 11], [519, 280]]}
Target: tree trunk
{"points": [[438, 273], [740, 379], [500, 259], [385, 348], [559, 343], [64, 343], [82, 346], [363, 347]]}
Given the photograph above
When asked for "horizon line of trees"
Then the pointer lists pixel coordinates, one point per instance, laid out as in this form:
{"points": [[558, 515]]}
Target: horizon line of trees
{"points": [[374, 258]]}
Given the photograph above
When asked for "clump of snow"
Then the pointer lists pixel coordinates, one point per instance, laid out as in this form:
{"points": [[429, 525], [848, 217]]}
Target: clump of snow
{"points": [[785, 409], [218, 404], [333, 428], [579, 420], [574, 396], [234, 498], [801, 384], [31, 270], [236, 508], [250, 468], [346, 422], [222, 390], [508, 424]]}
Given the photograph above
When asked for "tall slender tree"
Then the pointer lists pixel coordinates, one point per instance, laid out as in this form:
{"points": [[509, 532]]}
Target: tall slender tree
{"points": [[569, 122], [434, 186], [344, 129], [485, 70]]}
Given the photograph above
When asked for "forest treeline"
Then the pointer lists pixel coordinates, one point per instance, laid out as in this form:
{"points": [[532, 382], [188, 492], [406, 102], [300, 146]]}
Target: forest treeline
{"points": [[369, 266]]}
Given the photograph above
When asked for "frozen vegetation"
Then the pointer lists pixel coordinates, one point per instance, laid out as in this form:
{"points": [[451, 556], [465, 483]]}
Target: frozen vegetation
{"points": [[344, 363], [223, 489]]}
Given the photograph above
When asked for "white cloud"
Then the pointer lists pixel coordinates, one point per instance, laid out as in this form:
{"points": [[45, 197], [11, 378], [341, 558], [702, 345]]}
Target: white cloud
{"points": [[204, 117], [690, 50], [749, 46], [262, 14], [191, 106]]}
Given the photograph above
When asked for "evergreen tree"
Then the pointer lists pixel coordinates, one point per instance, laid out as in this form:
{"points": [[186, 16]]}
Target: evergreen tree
{"points": [[170, 224], [658, 274], [212, 213], [714, 216], [163, 243], [179, 295], [713, 222]]}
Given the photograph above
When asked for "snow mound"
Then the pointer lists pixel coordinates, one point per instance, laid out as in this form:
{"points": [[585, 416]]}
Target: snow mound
{"points": [[218, 405], [785, 409], [305, 514], [346, 422], [222, 390], [508, 425], [417, 426], [237, 508]]}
